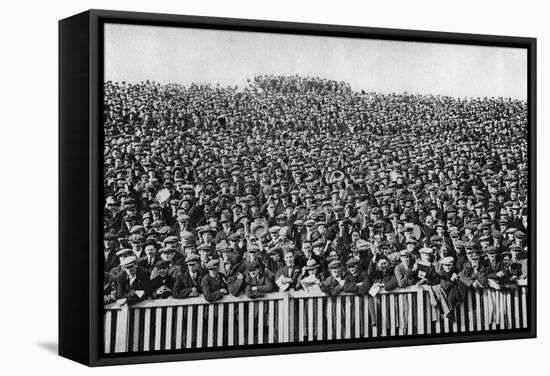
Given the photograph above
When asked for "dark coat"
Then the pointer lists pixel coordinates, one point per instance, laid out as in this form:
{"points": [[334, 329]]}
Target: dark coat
{"points": [[358, 284], [263, 286], [184, 284], [211, 287], [468, 275], [127, 290], [405, 277], [158, 282], [378, 276], [331, 286], [294, 275]]}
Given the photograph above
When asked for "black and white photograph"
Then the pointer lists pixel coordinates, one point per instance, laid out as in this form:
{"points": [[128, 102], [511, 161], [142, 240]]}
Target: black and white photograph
{"points": [[263, 189]]}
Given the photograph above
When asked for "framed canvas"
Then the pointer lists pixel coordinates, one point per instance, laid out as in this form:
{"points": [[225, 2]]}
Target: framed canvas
{"points": [[235, 187]]}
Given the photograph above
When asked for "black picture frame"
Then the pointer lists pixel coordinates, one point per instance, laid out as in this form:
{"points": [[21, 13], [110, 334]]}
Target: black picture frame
{"points": [[80, 166]]}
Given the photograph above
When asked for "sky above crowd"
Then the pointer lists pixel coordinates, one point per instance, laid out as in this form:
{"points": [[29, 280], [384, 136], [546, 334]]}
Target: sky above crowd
{"points": [[179, 55]]}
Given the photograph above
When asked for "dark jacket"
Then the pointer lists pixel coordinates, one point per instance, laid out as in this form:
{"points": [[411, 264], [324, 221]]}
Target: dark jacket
{"points": [[127, 289], [358, 284], [184, 284], [158, 282], [211, 287], [263, 286]]}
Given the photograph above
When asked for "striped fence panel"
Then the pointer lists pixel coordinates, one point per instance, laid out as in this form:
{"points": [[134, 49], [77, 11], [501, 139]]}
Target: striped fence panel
{"points": [[173, 324]]}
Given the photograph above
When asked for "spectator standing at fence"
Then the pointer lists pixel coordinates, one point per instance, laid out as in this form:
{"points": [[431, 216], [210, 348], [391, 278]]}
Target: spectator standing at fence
{"points": [[287, 276], [133, 283], [188, 281], [406, 272], [213, 284], [334, 284], [257, 283], [163, 284]]}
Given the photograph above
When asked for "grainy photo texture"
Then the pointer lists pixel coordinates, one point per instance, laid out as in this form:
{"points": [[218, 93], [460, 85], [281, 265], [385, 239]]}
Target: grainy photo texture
{"points": [[276, 188]]}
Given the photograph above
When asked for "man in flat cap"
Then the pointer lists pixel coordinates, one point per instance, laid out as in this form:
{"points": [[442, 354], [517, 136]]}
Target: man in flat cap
{"points": [[163, 284], [133, 283], [257, 284], [334, 284], [188, 280], [473, 273], [406, 272], [213, 284], [355, 281], [286, 278]]}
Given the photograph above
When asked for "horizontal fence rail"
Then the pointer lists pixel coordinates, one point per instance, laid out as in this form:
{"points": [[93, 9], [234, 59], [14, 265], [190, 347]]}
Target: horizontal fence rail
{"points": [[298, 316]]}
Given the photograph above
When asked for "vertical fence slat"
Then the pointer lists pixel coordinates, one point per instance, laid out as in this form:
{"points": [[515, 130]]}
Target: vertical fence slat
{"points": [[230, 324], [509, 309], [524, 306], [478, 310], [158, 326], [147, 329], [410, 314], [392, 314], [107, 331], [462, 318], [241, 323], [366, 316], [401, 315], [291, 304], [356, 305], [251, 323], [310, 315], [271, 323], [189, 331], [300, 319], [320, 312], [502, 303], [486, 305], [384, 309], [135, 339], [260, 322], [496, 313], [220, 324], [200, 323], [338, 327], [420, 310], [428, 316], [168, 341], [281, 324], [179, 326], [470, 311], [516, 308], [329, 318], [347, 310], [122, 327], [210, 326]]}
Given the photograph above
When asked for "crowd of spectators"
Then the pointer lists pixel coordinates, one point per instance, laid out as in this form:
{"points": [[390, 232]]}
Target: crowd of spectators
{"points": [[302, 183]]}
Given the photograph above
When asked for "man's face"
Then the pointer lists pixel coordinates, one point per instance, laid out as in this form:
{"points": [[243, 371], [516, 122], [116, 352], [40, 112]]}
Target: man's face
{"points": [[306, 248], [406, 260], [213, 272], [447, 267], [506, 261], [335, 272], [289, 259], [193, 267], [383, 264], [167, 256], [150, 251], [492, 257], [425, 257], [130, 270], [163, 272], [352, 269]]}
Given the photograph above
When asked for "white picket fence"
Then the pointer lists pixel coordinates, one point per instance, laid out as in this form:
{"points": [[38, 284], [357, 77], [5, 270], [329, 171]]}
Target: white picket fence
{"points": [[297, 316]]}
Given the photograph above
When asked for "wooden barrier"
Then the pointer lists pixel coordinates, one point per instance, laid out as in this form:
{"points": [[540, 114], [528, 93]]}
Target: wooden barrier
{"points": [[297, 316]]}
